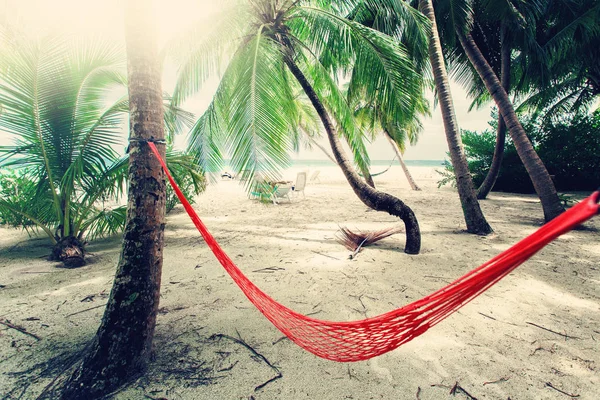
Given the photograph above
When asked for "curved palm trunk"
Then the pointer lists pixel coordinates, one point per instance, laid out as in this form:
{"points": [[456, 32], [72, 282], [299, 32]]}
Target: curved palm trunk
{"points": [[371, 197], [533, 164], [490, 179], [474, 218], [123, 343], [411, 181]]}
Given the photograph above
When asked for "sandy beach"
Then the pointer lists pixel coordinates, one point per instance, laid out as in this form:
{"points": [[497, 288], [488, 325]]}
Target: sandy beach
{"points": [[534, 335]]}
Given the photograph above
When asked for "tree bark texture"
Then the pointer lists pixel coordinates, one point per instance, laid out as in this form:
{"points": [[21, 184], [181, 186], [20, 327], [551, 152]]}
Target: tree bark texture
{"points": [[533, 164], [411, 181], [123, 343], [474, 218], [371, 197], [490, 179]]}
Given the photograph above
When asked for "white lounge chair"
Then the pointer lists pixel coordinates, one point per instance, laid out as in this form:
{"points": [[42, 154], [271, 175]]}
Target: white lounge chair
{"points": [[281, 191], [315, 177], [300, 184]]}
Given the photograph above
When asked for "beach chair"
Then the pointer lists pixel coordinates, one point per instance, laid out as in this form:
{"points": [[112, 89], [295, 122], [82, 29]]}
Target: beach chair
{"points": [[300, 184], [280, 192], [315, 177]]}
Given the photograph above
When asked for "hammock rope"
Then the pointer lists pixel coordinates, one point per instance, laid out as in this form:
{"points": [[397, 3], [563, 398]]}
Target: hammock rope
{"points": [[367, 338], [384, 171]]}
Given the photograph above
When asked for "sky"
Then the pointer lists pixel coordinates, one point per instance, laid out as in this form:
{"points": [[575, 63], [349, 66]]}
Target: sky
{"points": [[105, 19]]}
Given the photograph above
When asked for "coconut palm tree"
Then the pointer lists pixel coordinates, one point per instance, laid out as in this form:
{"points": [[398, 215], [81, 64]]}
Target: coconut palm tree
{"points": [[476, 222], [550, 64], [123, 344], [460, 23], [274, 46]]}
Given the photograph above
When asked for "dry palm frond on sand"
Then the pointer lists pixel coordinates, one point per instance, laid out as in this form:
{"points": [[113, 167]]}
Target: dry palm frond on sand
{"points": [[355, 241]]}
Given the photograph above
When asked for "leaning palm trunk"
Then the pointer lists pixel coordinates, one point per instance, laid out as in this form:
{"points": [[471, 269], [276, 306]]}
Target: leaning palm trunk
{"points": [[490, 179], [474, 218], [371, 197], [533, 164], [411, 181], [123, 343]]}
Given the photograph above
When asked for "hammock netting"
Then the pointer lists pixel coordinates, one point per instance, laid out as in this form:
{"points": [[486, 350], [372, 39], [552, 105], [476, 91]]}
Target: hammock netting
{"points": [[367, 338]]}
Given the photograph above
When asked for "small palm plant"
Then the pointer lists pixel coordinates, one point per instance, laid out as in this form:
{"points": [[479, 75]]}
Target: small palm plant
{"points": [[53, 95], [55, 102]]}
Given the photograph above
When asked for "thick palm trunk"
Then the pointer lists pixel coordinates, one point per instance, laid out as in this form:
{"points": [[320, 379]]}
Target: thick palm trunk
{"points": [[474, 218], [371, 197], [411, 181], [123, 343], [533, 164], [490, 179]]}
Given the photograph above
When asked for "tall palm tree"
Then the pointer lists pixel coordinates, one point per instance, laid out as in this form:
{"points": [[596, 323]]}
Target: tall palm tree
{"points": [[460, 23], [474, 218], [541, 33], [277, 45], [52, 93], [536, 169], [123, 343], [505, 60]]}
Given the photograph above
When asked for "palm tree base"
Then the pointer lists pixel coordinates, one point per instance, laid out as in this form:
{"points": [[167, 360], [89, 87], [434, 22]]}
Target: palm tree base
{"points": [[70, 251]]}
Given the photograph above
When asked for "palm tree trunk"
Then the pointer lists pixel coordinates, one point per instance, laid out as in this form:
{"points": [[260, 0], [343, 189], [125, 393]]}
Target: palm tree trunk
{"points": [[490, 179], [411, 181], [371, 197], [123, 343], [533, 164], [367, 176], [474, 218]]}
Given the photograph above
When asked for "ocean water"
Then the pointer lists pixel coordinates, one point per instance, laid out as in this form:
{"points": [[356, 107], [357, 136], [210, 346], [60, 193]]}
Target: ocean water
{"points": [[328, 163]]}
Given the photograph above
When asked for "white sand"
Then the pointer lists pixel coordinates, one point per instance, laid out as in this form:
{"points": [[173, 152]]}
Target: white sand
{"points": [[488, 347]]}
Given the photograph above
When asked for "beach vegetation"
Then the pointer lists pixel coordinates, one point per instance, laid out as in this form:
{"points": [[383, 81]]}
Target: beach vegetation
{"points": [[570, 147], [65, 106], [275, 48]]}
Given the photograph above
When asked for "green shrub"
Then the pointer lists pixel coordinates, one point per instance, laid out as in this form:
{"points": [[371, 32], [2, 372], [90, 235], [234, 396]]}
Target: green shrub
{"points": [[190, 179], [18, 190], [570, 149]]}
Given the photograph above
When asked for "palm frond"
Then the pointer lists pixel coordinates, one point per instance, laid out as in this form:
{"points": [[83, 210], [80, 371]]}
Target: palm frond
{"points": [[355, 241], [200, 59], [104, 222]]}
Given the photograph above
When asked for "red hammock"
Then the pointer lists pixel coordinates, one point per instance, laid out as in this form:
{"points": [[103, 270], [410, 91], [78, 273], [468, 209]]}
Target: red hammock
{"points": [[367, 338]]}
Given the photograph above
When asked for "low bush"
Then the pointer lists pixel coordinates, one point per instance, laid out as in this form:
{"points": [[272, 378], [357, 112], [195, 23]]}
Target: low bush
{"points": [[570, 149]]}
